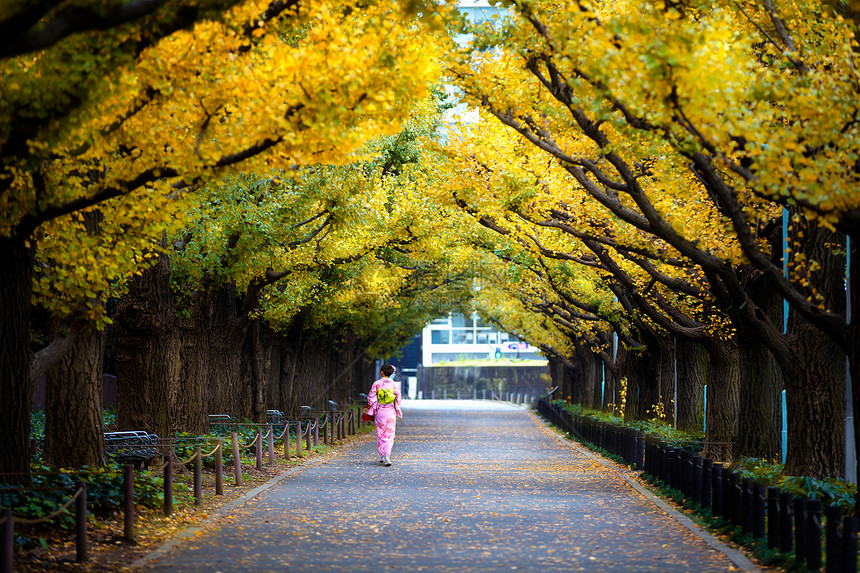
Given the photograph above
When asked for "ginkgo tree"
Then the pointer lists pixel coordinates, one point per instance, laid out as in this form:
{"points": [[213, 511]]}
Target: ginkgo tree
{"points": [[615, 271], [146, 102], [632, 99], [355, 245]]}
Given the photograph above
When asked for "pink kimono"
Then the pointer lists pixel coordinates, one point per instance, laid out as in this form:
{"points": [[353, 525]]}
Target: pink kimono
{"points": [[386, 415]]}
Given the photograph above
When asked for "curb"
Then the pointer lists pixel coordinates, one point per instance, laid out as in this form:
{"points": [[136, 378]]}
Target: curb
{"points": [[737, 558], [225, 509]]}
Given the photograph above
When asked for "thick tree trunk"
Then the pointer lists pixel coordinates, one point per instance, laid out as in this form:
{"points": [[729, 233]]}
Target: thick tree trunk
{"points": [[638, 391], [194, 367], [759, 401], [645, 373], [228, 330], [665, 377], [816, 388], [722, 414], [273, 375], [815, 394], [557, 376], [317, 367], [583, 376], [147, 342], [692, 361], [210, 360], [761, 379], [73, 409], [854, 341], [256, 362], [16, 293]]}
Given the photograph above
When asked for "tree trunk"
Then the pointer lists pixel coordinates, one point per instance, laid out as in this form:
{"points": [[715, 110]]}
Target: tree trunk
{"points": [[557, 376], [321, 366], [583, 376], [644, 370], [148, 346], [637, 391], [853, 296], [761, 379], [722, 414], [256, 361], [815, 392], [692, 363], [665, 377], [273, 377], [16, 293], [73, 404], [816, 389], [227, 335], [195, 368], [759, 400]]}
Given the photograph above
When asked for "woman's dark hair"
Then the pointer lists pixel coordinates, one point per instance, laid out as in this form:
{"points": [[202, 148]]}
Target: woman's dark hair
{"points": [[387, 369]]}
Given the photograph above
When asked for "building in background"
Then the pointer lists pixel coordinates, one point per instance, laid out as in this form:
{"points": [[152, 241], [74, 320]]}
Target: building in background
{"points": [[457, 337]]}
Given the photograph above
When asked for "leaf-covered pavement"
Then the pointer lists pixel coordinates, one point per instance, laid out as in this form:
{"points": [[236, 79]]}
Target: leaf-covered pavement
{"points": [[474, 487]]}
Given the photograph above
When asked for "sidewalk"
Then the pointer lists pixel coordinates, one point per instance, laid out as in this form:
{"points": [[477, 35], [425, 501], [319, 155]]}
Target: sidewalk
{"points": [[475, 486]]}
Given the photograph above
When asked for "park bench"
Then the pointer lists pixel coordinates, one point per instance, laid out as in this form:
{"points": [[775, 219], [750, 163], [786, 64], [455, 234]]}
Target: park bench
{"points": [[135, 447], [221, 419], [274, 417]]}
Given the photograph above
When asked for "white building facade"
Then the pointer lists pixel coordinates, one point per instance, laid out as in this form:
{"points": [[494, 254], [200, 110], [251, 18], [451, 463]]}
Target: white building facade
{"points": [[457, 337]]}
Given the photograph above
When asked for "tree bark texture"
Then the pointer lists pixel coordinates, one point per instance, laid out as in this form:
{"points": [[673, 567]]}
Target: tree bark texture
{"points": [[227, 332], [256, 366], [16, 293], [816, 387], [556, 375], [760, 409], [148, 345], [639, 393], [692, 361], [209, 359], [665, 374], [761, 379], [73, 404], [722, 413], [853, 296], [645, 373], [583, 376], [317, 367]]}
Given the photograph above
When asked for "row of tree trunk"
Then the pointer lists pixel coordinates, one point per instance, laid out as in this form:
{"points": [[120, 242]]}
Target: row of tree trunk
{"points": [[176, 365], [744, 386]]}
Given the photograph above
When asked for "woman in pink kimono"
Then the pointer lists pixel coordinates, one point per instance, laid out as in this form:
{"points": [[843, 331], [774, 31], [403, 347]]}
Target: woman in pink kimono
{"points": [[384, 400]]}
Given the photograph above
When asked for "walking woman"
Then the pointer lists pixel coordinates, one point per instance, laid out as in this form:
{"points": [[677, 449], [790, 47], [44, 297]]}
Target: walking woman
{"points": [[384, 399]]}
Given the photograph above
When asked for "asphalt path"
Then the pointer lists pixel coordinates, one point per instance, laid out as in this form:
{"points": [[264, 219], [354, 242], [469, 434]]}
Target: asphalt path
{"points": [[474, 486]]}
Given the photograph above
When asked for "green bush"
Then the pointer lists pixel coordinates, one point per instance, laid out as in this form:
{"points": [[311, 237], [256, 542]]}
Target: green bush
{"points": [[829, 491], [104, 492]]}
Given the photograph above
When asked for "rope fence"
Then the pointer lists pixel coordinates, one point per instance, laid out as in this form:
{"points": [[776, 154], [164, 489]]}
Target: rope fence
{"points": [[51, 515], [307, 429]]}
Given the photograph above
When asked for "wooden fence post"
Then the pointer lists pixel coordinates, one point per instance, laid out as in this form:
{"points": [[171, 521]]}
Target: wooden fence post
{"points": [[219, 468], [128, 504], [198, 476], [259, 448], [237, 459], [81, 549], [168, 485]]}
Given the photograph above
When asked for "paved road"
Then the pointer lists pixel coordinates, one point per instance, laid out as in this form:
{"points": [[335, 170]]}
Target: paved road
{"points": [[475, 486]]}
